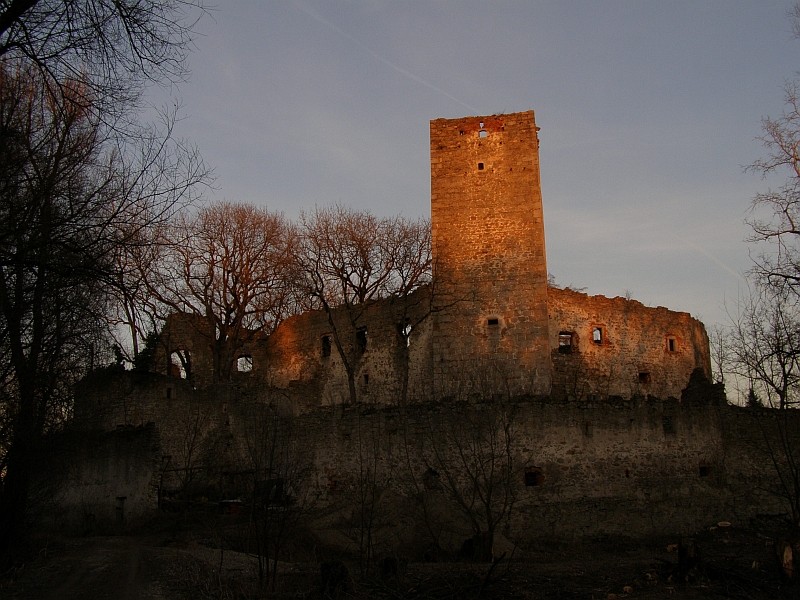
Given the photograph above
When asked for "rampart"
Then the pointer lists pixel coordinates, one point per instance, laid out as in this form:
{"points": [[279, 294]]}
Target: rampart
{"points": [[579, 468]]}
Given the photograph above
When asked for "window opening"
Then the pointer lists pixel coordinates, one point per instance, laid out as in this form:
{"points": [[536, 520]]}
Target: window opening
{"points": [[271, 492], [169, 393], [361, 339], [704, 470], [565, 342], [405, 333], [597, 335], [326, 345], [483, 133], [431, 479], [671, 344], [366, 379], [493, 322], [533, 477], [644, 377], [120, 508], [668, 425], [480, 166], [180, 364], [244, 364], [480, 124]]}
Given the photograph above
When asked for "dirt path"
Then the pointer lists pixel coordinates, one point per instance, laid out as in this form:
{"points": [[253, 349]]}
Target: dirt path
{"points": [[119, 568]]}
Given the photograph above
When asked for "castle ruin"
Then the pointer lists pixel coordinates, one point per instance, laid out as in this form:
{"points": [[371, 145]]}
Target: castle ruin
{"points": [[490, 306], [616, 429]]}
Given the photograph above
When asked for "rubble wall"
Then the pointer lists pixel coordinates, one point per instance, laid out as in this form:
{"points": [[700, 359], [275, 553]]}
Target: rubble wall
{"points": [[489, 251], [619, 347], [98, 482], [628, 468]]}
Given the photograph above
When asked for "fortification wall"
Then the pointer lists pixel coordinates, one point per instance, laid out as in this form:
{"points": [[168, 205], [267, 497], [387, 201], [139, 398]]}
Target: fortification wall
{"points": [[579, 469], [98, 482], [618, 347]]}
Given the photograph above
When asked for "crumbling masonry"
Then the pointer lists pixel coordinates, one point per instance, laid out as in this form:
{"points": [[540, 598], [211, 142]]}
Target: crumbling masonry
{"points": [[615, 428], [489, 309]]}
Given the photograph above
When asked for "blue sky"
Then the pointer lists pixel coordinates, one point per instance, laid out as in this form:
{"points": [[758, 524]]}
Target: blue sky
{"points": [[648, 112]]}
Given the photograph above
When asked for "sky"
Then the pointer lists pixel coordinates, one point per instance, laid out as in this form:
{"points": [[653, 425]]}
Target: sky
{"points": [[649, 111]]}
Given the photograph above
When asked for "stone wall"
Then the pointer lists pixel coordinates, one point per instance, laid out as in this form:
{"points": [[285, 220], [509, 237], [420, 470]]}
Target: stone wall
{"points": [[598, 347], [618, 347], [583, 467], [489, 251], [303, 356], [92, 482]]}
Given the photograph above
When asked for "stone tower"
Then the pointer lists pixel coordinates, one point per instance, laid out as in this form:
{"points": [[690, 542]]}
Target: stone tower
{"points": [[490, 323]]}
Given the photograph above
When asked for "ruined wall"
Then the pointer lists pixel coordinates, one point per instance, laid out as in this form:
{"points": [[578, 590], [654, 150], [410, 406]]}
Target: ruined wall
{"points": [[489, 251], [186, 345], [303, 356], [617, 347], [579, 469], [98, 482]]}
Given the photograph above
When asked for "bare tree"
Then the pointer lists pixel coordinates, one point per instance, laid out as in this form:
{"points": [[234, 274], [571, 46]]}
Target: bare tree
{"points": [[764, 342], [115, 46], [230, 265], [368, 486], [281, 494], [780, 265], [471, 456], [764, 345], [69, 198], [350, 258]]}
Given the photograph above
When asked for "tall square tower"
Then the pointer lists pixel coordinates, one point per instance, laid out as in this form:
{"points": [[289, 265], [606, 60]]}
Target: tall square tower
{"points": [[490, 292]]}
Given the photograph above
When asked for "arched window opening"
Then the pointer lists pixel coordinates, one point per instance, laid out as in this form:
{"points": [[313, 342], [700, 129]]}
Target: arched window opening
{"points": [[180, 364], [404, 330]]}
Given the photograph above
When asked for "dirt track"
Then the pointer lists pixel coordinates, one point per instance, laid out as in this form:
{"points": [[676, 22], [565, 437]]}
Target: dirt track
{"points": [[735, 564], [122, 568]]}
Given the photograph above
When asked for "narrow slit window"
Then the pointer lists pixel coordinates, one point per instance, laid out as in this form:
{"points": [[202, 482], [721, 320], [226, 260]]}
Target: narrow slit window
{"points": [[361, 339], [597, 335], [672, 344], [480, 166], [326, 346]]}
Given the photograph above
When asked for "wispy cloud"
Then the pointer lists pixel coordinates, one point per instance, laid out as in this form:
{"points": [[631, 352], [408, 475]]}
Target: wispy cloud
{"points": [[311, 12]]}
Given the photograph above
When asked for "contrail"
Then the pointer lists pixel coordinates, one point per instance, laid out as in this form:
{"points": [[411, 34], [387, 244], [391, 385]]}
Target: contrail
{"points": [[320, 19], [709, 256]]}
